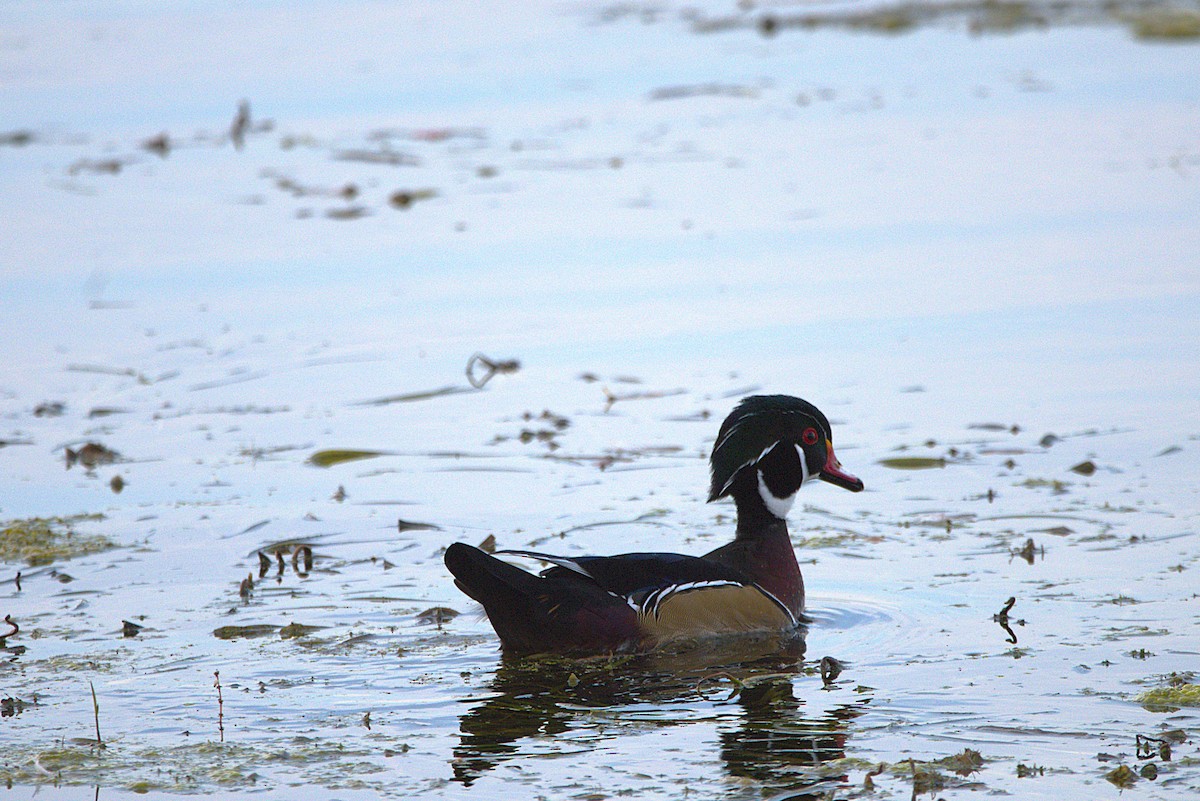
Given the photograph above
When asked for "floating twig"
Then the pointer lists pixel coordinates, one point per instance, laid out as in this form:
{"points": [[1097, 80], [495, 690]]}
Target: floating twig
{"points": [[830, 670], [302, 552], [488, 368], [610, 398], [702, 684], [15, 628], [1001, 617]]}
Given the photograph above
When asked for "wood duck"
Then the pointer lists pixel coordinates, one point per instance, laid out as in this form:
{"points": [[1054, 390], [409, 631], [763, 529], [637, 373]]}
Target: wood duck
{"points": [[767, 448]]}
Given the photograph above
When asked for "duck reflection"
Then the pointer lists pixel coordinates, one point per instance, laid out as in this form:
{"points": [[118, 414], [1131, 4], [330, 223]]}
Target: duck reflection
{"points": [[774, 743]]}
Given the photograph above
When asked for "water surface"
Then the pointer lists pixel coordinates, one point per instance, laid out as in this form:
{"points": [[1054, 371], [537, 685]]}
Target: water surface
{"points": [[955, 238]]}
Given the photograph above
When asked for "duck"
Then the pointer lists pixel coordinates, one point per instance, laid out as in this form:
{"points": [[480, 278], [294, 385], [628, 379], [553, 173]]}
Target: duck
{"points": [[765, 451]]}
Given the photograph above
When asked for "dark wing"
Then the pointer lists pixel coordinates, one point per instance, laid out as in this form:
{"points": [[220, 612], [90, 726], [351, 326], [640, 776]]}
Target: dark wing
{"points": [[676, 595]]}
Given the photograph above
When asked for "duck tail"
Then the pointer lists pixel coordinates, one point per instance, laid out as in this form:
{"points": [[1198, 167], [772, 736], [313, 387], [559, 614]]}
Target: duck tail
{"points": [[559, 613]]}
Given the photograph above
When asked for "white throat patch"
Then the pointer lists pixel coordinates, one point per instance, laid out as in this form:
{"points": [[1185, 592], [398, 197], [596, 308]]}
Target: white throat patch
{"points": [[776, 506]]}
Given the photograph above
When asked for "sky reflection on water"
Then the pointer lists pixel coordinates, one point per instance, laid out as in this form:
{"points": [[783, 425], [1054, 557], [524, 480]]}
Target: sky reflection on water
{"points": [[937, 237]]}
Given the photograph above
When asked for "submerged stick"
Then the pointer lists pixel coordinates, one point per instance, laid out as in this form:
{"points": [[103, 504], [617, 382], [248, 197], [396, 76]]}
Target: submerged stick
{"points": [[220, 705]]}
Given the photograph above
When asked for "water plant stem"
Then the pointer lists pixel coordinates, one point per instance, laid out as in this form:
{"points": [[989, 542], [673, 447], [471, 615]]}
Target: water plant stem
{"points": [[96, 713], [220, 705]]}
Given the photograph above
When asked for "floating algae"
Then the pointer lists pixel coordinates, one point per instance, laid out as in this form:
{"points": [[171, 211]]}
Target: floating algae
{"points": [[1170, 699], [42, 540]]}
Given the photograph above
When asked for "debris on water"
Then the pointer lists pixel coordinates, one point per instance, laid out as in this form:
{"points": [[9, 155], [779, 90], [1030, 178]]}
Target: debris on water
{"points": [[1058, 487], [913, 462], [117, 484], [416, 396], [18, 138], [703, 90], [405, 198], [1166, 23], [437, 615], [925, 778], [1029, 551], [246, 587], [1178, 692], [348, 213], [90, 455], [480, 369], [610, 398], [1001, 617], [97, 166], [1085, 468], [1012, 429], [1170, 450], [293, 630], [385, 156], [244, 632], [42, 540], [489, 544], [1028, 771], [240, 124], [963, 764], [334, 456], [830, 670], [302, 555], [1048, 440], [409, 525], [1122, 776], [130, 629], [159, 145], [11, 707], [1155, 747], [49, 409]]}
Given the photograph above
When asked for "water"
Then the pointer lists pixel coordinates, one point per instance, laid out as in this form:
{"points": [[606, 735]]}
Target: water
{"points": [[955, 244]]}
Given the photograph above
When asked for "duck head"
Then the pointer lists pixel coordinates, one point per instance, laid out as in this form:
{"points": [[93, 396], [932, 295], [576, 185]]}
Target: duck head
{"points": [[775, 444]]}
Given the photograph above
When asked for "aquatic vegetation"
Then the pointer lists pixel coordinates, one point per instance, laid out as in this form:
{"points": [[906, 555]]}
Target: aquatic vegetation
{"points": [[1166, 23], [1171, 698], [43, 540]]}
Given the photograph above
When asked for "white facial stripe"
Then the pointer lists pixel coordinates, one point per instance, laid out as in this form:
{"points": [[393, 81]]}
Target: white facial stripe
{"points": [[776, 506], [804, 476]]}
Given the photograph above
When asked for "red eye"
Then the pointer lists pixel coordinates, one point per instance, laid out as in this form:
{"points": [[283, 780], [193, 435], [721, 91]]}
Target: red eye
{"points": [[809, 437]]}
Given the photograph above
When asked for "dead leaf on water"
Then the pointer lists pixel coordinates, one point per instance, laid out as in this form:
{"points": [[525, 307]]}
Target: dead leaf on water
{"points": [[244, 632], [1122, 777], [913, 462], [409, 525], [1085, 468], [293, 630], [329, 458]]}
